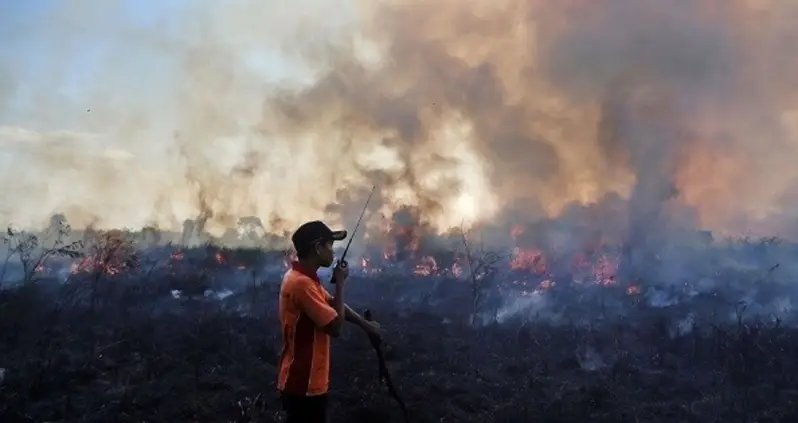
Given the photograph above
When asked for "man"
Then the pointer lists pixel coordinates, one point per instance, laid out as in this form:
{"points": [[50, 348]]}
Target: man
{"points": [[309, 316]]}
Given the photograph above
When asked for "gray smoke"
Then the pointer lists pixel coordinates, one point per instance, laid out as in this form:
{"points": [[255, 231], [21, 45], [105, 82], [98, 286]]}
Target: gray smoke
{"points": [[274, 110]]}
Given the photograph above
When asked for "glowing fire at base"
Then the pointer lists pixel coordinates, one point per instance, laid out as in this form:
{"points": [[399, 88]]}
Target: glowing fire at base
{"points": [[532, 269]]}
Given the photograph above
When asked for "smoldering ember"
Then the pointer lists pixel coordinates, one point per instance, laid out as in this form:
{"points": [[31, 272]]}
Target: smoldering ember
{"points": [[102, 326]]}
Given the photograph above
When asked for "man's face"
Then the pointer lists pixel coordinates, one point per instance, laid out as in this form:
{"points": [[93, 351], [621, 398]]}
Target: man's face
{"points": [[325, 251]]}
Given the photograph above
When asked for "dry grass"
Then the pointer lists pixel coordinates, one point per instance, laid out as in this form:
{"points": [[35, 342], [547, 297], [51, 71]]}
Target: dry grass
{"points": [[139, 355]]}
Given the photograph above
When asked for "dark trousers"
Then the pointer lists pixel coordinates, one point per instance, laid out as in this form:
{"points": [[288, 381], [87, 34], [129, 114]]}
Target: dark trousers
{"points": [[304, 409]]}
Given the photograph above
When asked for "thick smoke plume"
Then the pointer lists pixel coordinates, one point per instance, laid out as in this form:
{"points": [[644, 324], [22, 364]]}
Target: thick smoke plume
{"points": [[465, 110]]}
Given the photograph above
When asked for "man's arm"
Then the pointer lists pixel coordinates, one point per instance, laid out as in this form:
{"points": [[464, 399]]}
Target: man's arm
{"points": [[327, 316], [334, 328], [351, 316]]}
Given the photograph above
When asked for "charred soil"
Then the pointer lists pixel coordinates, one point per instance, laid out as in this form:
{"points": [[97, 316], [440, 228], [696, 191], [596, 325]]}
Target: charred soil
{"points": [[71, 355]]}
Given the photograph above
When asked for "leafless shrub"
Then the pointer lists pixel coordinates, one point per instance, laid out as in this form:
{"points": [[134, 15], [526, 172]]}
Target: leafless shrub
{"points": [[110, 253], [33, 253], [483, 268], [251, 409]]}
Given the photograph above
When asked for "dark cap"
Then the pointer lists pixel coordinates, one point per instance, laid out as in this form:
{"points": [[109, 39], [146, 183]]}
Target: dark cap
{"points": [[314, 232]]}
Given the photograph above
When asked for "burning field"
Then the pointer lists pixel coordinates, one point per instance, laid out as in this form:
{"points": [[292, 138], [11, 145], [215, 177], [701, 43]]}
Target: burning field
{"points": [[585, 210], [108, 326]]}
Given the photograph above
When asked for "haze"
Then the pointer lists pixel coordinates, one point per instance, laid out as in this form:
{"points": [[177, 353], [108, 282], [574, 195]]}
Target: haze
{"points": [[133, 113]]}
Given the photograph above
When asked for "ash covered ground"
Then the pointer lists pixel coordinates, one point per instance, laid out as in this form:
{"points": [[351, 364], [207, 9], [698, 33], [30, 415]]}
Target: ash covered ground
{"points": [[617, 127], [166, 334]]}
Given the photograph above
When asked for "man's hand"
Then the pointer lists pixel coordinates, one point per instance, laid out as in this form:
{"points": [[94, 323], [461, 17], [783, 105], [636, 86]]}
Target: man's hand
{"points": [[341, 272]]}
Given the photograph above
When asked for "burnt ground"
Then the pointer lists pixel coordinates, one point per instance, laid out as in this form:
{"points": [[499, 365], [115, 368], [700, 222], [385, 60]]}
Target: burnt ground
{"points": [[78, 353]]}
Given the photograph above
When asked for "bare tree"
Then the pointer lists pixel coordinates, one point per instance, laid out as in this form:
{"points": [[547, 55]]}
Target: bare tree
{"points": [[34, 254], [111, 253], [483, 267]]}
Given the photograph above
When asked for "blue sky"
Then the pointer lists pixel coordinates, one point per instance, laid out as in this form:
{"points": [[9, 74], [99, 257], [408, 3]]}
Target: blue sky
{"points": [[20, 13], [45, 51], [19, 18], [26, 46]]}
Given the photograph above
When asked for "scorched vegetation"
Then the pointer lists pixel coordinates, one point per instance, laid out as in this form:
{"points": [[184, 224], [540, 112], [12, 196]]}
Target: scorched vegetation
{"points": [[109, 332]]}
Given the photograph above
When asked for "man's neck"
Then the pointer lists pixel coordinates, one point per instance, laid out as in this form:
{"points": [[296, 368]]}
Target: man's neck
{"points": [[309, 264]]}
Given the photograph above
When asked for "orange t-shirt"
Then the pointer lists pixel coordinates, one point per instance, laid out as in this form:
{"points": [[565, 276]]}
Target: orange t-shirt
{"points": [[304, 367]]}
